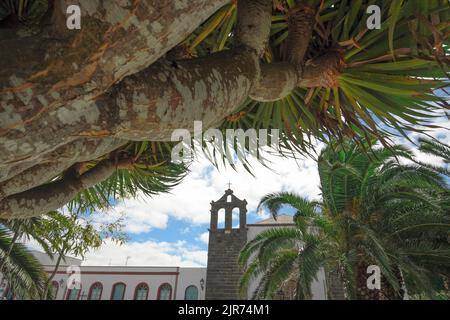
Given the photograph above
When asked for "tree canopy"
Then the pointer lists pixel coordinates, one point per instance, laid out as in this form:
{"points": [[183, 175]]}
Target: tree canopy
{"points": [[86, 115]]}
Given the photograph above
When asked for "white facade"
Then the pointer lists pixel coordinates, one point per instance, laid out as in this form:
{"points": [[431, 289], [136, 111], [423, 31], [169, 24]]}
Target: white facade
{"points": [[100, 282], [173, 279], [318, 287]]}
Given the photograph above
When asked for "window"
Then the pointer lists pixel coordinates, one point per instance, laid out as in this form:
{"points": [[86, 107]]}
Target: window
{"points": [[73, 294], [95, 292], [165, 292], [54, 289], [191, 293], [118, 291], [141, 292]]}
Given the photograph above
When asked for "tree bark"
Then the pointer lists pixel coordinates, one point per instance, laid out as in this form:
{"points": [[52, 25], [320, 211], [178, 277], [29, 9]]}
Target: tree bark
{"points": [[27, 176], [106, 92], [74, 96], [52, 275], [280, 78], [301, 21], [50, 82], [54, 195]]}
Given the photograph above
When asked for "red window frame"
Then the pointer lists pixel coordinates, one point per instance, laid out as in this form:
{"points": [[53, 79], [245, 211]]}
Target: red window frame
{"points": [[114, 286], [92, 287]]}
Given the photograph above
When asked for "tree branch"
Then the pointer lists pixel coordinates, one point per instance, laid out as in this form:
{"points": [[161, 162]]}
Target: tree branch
{"points": [[53, 196], [280, 78], [147, 105], [253, 26], [57, 162], [301, 21], [170, 96], [277, 81], [59, 76]]}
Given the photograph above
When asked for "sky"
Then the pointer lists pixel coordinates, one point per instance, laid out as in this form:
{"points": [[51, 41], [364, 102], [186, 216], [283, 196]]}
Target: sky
{"points": [[171, 229]]}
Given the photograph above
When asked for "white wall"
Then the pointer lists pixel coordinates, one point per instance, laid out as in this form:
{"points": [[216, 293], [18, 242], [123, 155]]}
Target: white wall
{"points": [[191, 276], [318, 287], [154, 277]]}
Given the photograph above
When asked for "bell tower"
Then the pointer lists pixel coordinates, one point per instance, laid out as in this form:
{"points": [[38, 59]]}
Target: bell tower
{"points": [[223, 271]]}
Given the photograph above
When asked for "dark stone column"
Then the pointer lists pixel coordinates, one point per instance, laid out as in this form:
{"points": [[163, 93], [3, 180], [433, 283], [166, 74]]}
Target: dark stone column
{"points": [[228, 218], [223, 272]]}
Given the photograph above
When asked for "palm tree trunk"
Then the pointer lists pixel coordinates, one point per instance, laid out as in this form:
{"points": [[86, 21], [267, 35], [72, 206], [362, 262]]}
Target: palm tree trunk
{"points": [[336, 287], [388, 292], [52, 275]]}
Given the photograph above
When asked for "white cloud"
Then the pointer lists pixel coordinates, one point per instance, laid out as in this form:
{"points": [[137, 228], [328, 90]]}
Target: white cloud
{"points": [[137, 214], [204, 237], [147, 253], [190, 200], [440, 132]]}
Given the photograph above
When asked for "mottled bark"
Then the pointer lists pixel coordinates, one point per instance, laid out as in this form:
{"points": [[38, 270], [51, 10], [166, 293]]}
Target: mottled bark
{"points": [[280, 78], [277, 81], [57, 162], [168, 96], [56, 194], [96, 84], [253, 26], [68, 97], [50, 81]]}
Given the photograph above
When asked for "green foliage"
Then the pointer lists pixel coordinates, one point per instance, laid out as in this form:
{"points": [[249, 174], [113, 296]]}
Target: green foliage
{"points": [[437, 149], [71, 234], [386, 86], [23, 272], [151, 173], [59, 235], [374, 211]]}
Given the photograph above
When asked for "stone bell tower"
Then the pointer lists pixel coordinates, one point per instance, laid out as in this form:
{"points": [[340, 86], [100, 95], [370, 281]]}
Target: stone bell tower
{"points": [[223, 271]]}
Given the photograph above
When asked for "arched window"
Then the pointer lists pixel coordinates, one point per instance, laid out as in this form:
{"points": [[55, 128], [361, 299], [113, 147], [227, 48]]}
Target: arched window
{"points": [[165, 292], [118, 291], [54, 289], [73, 294], [141, 292], [95, 292], [191, 293]]}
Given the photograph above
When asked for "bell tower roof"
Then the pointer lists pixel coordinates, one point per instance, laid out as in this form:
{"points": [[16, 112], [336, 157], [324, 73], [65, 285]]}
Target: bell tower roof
{"points": [[229, 198], [228, 202]]}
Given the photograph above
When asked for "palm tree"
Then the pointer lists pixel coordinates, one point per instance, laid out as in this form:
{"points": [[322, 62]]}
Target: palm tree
{"points": [[375, 211], [377, 80], [278, 255], [24, 274]]}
